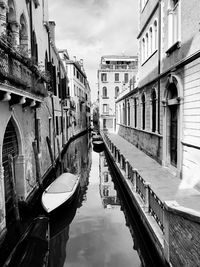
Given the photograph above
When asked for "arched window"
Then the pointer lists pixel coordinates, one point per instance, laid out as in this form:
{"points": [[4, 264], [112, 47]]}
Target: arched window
{"points": [[143, 112], [150, 40], [147, 45], [135, 109], [124, 113], [104, 91], [23, 34], [105, 177], [116, 91], [143, 50], [34, 49], [10, 23], [153, 99], [155, 34], [173, 22], [128, 113]]}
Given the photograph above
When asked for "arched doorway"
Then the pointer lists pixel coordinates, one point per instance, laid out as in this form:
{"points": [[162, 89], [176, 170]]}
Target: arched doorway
{"points": [[10, 146], [173, 123]]}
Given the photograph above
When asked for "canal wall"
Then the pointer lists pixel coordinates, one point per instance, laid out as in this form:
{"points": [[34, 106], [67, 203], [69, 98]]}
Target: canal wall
{"points": [[172, 228]]}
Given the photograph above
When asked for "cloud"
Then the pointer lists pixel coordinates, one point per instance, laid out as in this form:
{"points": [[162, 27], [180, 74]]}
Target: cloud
{"points": [[92, 28]]}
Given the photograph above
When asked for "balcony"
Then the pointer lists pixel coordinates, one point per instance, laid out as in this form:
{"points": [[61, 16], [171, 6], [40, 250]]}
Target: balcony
{"points": [[118, 66], [19, 76]]}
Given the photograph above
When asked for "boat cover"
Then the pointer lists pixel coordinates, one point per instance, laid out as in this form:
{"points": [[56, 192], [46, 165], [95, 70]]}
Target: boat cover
{"points": [[64, 183]]}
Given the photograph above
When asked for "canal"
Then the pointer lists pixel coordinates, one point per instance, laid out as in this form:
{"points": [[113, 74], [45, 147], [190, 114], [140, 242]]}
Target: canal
{"points": [[98, 229]]}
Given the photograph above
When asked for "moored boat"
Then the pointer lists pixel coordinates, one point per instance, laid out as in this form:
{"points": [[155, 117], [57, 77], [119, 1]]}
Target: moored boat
{"points": [[60, 191], [33, 248]]}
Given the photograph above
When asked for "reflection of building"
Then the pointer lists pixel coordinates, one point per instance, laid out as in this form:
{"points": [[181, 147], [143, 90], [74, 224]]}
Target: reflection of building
{"points": [[115, 76], [107, 191], [78, 160]]}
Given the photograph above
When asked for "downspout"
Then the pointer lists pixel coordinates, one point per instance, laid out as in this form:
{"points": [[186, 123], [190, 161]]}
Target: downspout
{"points": [[159, 61], [159, 71], [31, 41], [52, 101]]}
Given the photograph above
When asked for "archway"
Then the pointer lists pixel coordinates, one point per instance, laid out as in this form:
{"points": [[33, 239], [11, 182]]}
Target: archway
{"points": [[10, 147]]}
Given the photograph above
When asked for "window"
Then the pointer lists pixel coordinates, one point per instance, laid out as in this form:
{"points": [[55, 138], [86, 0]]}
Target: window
{"points": [[23, 34], [116, 91], [143, 111], [135, 107], [128, 113], [116, 77], [105, 108], [126, 77], [105, 177], [173, 22], [150, 40], [103, 77], [104, 91], [153, 99], [147, 46], [155, 35], [143, 50]]}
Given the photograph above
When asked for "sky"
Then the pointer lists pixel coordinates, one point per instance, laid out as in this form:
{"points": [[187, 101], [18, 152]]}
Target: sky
{"points": [[89, 29]]}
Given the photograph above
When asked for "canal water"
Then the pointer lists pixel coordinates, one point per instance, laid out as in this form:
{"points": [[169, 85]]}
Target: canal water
{"points": [[95, 230]]}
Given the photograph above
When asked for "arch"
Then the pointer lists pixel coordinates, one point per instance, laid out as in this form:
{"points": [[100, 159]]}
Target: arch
{"points": [[35, 49], [150, 40], [104, 91], [143, 102], [116, 91], [23, 33], [10, 147], [172, 122], [11, 15], [153, 109]]}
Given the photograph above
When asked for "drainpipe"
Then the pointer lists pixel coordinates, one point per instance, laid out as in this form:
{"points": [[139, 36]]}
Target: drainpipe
{"points": [[159, 61], [52, 101]]}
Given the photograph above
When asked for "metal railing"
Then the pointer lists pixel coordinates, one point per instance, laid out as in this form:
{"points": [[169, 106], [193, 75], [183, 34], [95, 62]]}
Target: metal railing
{"points": [[152, 203]]}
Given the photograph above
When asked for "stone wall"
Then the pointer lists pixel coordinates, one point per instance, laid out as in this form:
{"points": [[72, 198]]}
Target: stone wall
{"points": [[183, 236], [148, 142]]}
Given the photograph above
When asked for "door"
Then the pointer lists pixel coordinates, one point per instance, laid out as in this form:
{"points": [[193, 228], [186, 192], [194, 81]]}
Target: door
{"points": [[173, 135]]}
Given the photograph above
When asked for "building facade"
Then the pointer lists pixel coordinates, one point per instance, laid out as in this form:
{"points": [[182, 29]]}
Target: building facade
{"points": [[80, 95], [114, 75], [34, 103], [165, 111]]}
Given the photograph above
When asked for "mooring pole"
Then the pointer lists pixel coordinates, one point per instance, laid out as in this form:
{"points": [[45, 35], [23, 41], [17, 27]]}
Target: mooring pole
{"points": [[13, 187], [59, 155], [50, 151], [37, 163]]}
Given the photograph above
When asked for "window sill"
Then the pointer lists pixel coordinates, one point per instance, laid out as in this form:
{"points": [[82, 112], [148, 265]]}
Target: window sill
{"points": [[174, 47], [105, 97], [117, 81]]}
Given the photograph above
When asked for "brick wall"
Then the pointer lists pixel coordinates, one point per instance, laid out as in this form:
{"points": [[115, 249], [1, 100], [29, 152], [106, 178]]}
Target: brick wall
{"points": [[182, 235]]}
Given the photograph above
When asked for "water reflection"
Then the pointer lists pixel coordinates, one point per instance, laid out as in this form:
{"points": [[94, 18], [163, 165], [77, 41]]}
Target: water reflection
{"points": [[107, 192], [96, 230]]}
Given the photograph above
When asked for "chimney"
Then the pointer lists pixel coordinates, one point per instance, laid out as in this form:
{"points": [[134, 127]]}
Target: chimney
{"points": [[81, 62], [52, 25]]}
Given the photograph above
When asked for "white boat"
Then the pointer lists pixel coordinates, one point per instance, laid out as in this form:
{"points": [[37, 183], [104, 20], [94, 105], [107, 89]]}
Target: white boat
{"points": [[60, 191]]}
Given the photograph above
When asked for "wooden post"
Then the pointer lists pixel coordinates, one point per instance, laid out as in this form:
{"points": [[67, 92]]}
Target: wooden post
{"points": [[37, 163], [50, 151], [13, 188], [59, 155]]}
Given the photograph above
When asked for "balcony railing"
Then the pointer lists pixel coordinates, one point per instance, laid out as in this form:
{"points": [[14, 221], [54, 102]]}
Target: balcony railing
{"points": [[118, 66], [20, 72]]}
